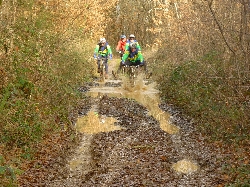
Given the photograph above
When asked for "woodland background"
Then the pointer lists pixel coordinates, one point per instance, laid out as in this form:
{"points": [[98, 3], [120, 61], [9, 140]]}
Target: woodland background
{"points": [[198, 51]]}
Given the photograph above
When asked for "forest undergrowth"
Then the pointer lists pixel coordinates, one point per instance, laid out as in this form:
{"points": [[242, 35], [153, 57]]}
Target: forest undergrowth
{"points": [[201, 90], [45, 52]]}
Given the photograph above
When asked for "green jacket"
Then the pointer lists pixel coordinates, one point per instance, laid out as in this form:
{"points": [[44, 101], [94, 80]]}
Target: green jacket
{"points": [[103, 50], [132, 56]]}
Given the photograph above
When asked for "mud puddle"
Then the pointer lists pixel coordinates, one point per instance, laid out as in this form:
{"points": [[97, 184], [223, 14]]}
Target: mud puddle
{"points": [[128, 140], [144, 94]]}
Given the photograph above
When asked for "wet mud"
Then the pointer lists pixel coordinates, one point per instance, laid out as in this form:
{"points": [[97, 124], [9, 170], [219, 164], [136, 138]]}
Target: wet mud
{"points": [[130, 138]]}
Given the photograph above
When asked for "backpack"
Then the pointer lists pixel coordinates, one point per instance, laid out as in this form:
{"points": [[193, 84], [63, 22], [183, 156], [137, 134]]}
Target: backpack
{"points": [[104, 47], [132, 54]]}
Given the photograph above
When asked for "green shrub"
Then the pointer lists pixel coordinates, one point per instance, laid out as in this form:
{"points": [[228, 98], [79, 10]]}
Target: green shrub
{"points": [[202, 89], [42, 73]]}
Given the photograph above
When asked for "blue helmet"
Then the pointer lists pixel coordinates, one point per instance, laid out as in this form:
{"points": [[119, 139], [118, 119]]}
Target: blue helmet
{"points": [[123, 36]]}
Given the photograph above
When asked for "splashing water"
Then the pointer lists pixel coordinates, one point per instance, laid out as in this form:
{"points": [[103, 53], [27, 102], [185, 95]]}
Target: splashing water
{"points": [[146, 95]]}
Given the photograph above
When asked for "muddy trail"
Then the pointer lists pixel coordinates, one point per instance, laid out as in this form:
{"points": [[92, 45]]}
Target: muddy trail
{"points": [[130, 138]]}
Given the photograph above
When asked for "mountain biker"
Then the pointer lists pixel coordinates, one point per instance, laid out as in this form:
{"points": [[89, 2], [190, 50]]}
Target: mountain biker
{"points": [[103, 50], [132, 40], [120, 48], [133, 57]]}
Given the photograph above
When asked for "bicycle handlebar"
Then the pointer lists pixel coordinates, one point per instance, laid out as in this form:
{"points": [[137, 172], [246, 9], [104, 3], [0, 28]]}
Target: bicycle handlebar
{"points": [[101, 57], [132, 65]]}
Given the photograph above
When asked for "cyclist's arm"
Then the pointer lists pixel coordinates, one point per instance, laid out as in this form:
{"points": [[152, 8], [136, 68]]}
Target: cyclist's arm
{"points": [[138, 46], [118, 47], [127, 46], [125, 56], [109, 49], [96, 49], [140, 57]]}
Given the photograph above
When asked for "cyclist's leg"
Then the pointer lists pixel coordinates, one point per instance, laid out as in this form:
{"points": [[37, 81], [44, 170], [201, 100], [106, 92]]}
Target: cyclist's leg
{"points": [[106, 65], [98, 62], [129, 64], [120, 67]]}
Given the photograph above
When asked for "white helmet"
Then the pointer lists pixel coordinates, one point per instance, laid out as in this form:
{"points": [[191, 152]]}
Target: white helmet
{"points": [[102, 40], [131, 36]]}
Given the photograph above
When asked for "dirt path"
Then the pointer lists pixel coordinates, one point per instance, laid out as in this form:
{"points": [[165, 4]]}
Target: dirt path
{"points": [[127, 139]]}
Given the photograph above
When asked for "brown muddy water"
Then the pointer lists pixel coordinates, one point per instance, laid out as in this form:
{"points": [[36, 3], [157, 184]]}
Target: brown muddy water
{"points": [[130, 138], [144, 94]]}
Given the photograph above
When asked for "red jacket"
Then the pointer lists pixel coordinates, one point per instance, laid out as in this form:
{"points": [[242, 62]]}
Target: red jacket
{"points": [[121, 45]]}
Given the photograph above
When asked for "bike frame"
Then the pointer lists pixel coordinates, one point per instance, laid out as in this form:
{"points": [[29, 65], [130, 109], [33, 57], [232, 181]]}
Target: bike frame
{"points": [[132, 71]]}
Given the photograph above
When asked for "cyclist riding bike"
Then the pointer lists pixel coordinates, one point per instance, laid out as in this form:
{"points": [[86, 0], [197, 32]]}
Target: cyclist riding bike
{"points": [[120, 48], [103, 50], [133, 57], [132, 40]]}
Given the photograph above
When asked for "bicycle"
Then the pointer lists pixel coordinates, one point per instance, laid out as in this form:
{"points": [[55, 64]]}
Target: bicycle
{"points": [[102, 69], [133, 71]]}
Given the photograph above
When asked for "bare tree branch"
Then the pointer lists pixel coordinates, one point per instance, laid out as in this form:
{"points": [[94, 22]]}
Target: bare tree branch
{"points": [[219, 26]]}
